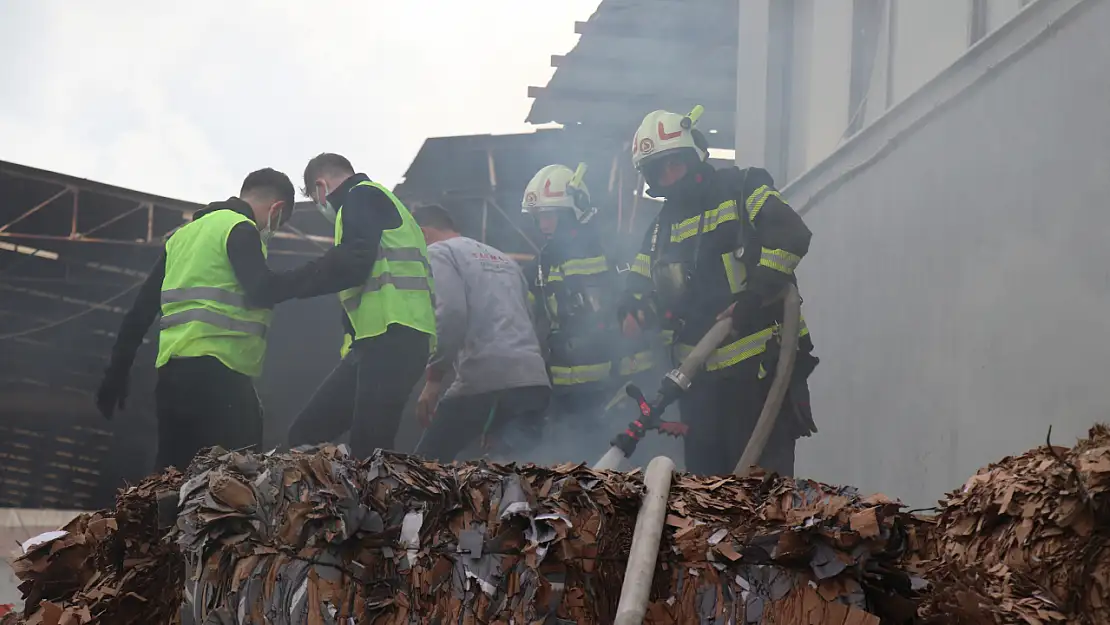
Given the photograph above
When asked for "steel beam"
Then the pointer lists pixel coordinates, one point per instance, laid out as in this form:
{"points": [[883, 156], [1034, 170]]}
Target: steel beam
{"points": [[27, 173], [35, 209], [141, 243], [82, 235], [63, 298], [514, 225]]}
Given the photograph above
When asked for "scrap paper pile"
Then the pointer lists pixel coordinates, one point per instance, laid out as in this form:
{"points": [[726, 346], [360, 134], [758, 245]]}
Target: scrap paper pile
{"points": [[317, 538], [762, 550], [108, 567], [1026, 540]]}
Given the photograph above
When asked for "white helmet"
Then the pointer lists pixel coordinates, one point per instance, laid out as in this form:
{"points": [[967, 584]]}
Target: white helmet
{"points": [[662, 132], [557, 187]]}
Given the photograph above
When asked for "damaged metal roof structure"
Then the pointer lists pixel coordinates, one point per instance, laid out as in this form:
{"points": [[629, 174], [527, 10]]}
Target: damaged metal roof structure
{"points": [[72, 255], [637, 56]]}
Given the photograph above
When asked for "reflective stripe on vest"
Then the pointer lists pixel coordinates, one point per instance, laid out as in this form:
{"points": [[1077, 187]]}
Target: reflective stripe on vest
{"points": [[758, 198], [706, 222], [400, 287], [211, 293], [580, 374], [738, 351], [401, 283], [213, 318], [724, 212], [636, 363], [779, 260], [585, 266]]}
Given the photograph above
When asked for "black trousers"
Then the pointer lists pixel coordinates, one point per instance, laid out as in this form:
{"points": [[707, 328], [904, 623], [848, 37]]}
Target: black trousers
{"points": [[366, 393], [201, 403], [459, 421], [722, 413]]}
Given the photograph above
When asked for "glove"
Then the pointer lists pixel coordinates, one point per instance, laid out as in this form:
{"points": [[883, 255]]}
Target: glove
{"points": [[745, 307], [634, 315], [112, 393]]}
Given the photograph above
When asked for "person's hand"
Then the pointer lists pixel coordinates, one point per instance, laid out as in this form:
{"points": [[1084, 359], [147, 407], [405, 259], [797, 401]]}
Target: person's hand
{"points": [[426, 404], [630, 326], [112, 393]]}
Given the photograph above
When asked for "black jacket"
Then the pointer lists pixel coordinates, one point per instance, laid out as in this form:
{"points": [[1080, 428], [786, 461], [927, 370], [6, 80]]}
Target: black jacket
{"points": [[575, 288], [697, 227], [367, 212]]}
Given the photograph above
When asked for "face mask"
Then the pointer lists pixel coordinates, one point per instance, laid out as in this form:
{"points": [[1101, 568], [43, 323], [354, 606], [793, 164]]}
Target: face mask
{"points": [[326, 210], [325, 206], [267, 233]]}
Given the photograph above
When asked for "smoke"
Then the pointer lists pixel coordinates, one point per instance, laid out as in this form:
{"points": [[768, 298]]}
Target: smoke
{"points": [[580, 436]]}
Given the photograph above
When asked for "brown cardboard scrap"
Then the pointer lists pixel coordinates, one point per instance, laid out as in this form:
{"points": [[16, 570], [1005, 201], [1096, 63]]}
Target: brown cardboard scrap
{"points": [[866, 522], [1024, 542]]}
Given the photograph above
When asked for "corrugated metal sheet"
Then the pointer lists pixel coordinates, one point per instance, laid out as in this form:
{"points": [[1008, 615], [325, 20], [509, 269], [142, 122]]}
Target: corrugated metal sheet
{"points": [[636, 56]]}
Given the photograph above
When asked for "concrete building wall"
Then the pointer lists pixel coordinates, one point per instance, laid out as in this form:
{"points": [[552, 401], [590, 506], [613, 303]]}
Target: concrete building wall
{"points": [[928, 37], [957, 285], [823, 56], [896, 47]]}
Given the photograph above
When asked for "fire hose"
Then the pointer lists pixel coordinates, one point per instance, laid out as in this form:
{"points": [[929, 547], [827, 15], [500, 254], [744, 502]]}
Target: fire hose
{"points": [[679, 380]]}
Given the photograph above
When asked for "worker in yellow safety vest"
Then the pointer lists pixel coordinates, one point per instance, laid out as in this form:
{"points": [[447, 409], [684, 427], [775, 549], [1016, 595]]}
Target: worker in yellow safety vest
{"points": [[379, 267], [215, 294]]}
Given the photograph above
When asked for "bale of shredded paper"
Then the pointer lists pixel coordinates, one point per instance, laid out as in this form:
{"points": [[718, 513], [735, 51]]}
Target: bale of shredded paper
{"points": [[110, 568], [317, 538], [762, 550], [1025, 540]]}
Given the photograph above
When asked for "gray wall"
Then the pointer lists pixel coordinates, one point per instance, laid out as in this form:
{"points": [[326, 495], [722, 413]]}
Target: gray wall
{"points": [[958, 286]]}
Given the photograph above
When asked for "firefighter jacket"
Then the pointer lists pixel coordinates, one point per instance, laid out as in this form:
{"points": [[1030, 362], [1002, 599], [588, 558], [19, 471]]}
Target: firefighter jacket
{"points": [[575, 288], [724, 232]]}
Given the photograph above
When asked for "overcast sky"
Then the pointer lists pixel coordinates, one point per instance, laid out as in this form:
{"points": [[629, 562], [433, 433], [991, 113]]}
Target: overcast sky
{"points": [[184, 99]]}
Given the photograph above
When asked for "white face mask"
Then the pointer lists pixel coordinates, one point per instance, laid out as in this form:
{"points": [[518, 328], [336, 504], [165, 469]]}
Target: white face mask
{"points": [[267, 233], [324, 206], [326, 210]]}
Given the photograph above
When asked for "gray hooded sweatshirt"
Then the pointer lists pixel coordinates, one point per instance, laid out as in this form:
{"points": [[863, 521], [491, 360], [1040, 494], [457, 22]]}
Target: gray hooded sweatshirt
{"points": [[483, 325]]}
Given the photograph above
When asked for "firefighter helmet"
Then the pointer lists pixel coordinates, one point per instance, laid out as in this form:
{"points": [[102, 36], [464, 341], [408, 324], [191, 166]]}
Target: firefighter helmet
{"points": [[558, 187], [663, 132]]}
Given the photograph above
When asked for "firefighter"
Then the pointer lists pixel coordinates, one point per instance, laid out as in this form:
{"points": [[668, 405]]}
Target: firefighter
{"points": [[723, 242], [575, 287], [379, 267], [215, 295]]}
